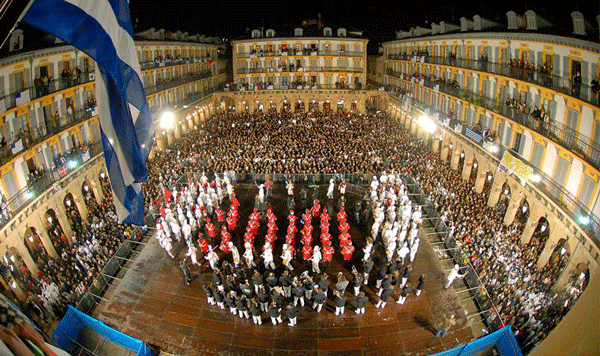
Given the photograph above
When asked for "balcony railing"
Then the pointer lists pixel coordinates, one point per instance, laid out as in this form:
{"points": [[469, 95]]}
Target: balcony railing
{"points": [[294, 86], [23, 95], [289, 69], [63, 165], [176, 82], [568, 138], [304, 52], [547, 185], [42, 132], [158, 63], [563, 85]]}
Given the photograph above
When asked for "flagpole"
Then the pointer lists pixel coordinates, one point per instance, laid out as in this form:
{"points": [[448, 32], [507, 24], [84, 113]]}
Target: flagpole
{"points": [[16, 22]]}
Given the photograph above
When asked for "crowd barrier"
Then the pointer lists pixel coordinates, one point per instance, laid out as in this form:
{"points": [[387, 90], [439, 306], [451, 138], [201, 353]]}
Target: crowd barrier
{"points": [[94, 293], [502, 340], [476, 288], [75, 322]]}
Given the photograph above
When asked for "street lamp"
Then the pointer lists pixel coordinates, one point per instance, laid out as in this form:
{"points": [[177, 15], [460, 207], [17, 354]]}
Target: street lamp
{"points": [[427, 124], [167, 120]]}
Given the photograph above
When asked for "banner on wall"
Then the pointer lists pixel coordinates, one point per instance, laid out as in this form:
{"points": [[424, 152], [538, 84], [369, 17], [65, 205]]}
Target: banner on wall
{"points": [[512, 165]]}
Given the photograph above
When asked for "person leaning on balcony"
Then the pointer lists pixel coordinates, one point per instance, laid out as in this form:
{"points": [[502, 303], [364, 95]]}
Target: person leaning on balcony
{"points": [[56, 121]]}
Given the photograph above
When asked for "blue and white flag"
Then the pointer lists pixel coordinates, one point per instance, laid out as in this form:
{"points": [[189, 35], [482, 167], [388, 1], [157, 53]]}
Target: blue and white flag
{"points": [[102, 29]]}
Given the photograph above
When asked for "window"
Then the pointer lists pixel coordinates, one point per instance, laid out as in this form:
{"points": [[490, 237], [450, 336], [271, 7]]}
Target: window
{"points": [[578, 23], [327, 31], [298, 32], [341, 32], [342, 47]]}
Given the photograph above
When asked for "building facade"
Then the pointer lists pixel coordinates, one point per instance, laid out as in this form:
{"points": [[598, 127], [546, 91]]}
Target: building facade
{"points": [[515, 89], [50, 150], [317, 59]]}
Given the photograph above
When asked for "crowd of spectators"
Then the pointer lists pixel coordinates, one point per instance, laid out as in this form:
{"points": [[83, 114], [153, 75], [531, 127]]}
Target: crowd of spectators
{"points": [[63, 280], [342, 143], [345, 143]]}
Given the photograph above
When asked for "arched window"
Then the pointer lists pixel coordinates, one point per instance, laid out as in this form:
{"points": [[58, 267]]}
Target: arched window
{"points": [[531, 20], [578, 23], [255, 33], [327, 31], [341, 32], [270, 33], [511, 16], [298, 32]]}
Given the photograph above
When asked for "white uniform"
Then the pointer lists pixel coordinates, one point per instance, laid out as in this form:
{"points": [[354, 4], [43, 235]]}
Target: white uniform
{"points": [[330, 189], [316, 259]]}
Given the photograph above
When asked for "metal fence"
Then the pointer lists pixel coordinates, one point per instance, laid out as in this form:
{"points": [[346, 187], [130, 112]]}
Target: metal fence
{"points": [[95, 292], [475, 286], [552, 189], [571, 87], [567, 137]]}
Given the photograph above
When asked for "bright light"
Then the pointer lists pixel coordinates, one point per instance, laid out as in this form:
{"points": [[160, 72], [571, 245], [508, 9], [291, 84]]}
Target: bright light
{"points": [[536, 178], [584, 220], [13, 285], [475, 165], [167, 120], [427, 124], [72, 164], [524, 209], [86, 188], [490, 177], [68, 202], [28, 195], [462, 155], [494, 149], [102, 175], [50, 219]]}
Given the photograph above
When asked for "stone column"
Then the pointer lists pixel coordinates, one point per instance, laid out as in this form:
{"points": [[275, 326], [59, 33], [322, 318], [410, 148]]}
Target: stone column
{"points": [[24, 252], [555, 235], [530, 225], [466, 172], [495, 192], [436, 144], [513, 205], [43, 234], [454, 159], [62, 217], [444, 151], [480, 180]]}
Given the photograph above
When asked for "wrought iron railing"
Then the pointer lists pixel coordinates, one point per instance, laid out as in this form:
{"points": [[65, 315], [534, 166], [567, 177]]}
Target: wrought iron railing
{"points": [[571, 87], [41, 89], [574, 141], [547, 185]]}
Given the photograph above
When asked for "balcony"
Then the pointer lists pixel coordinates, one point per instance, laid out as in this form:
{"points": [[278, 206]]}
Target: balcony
{"points": [[531, 75], [305, 52], [547, 185], [568, 138], [176, 81], [294, 85], [24, 95], [291, 69], [160, 63], [38, 183]]}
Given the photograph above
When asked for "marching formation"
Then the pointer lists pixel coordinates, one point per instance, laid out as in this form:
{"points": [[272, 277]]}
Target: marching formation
{"points": [[252, 283]]}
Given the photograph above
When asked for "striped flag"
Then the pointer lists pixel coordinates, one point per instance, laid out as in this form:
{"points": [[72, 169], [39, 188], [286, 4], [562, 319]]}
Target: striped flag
{"points": [[102, 29]]}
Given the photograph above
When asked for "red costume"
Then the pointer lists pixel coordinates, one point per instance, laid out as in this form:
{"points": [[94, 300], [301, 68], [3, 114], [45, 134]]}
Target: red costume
{"points": [[347, 251], [327, 253], [307, 252], [212, 233], [203, 244]]}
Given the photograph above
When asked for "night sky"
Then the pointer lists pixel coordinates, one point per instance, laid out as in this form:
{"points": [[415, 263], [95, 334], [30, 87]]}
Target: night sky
{"points": [[230, 19]]}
